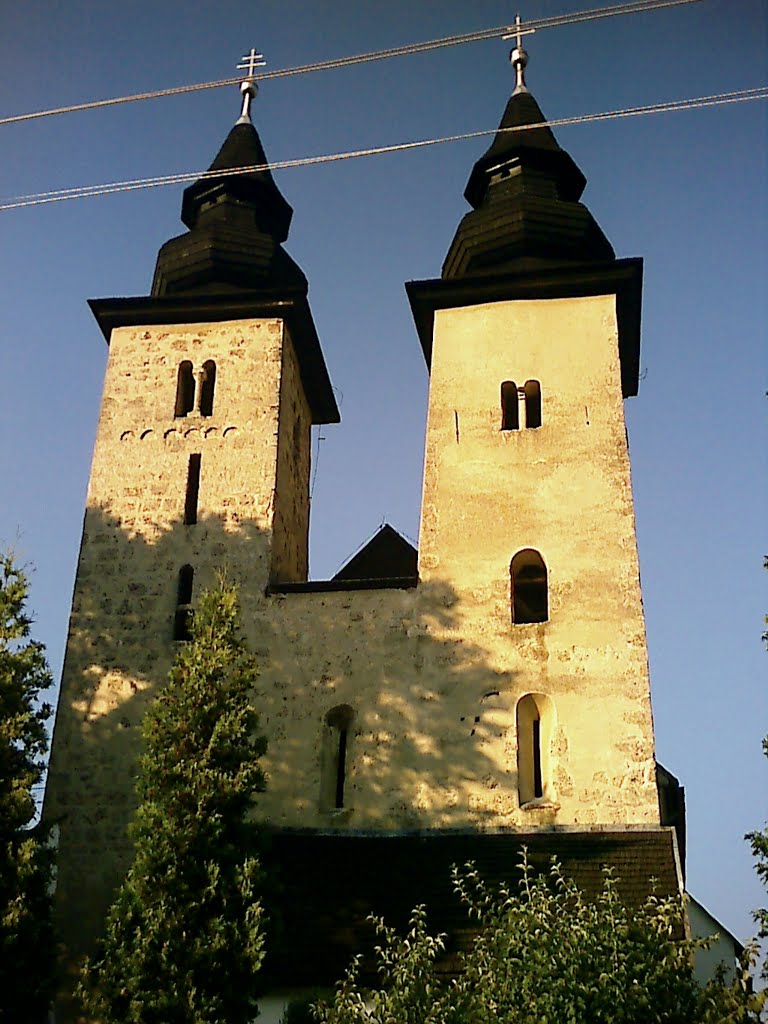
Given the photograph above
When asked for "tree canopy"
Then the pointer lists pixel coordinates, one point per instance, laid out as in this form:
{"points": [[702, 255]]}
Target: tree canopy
{"points": [[758, 840], [25, 859], [184, 937], [543, 955]]}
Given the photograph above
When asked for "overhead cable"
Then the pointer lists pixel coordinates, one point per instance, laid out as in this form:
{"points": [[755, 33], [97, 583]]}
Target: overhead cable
{"points": [[84, 191], [555, 21]]}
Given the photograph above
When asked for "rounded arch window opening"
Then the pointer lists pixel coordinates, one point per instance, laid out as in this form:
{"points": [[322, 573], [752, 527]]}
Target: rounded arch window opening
{"points": [[529, 587], [535, 721]]}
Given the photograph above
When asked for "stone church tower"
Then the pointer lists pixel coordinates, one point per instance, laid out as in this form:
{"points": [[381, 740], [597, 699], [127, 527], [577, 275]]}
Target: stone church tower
{"points": [[493, 695]]}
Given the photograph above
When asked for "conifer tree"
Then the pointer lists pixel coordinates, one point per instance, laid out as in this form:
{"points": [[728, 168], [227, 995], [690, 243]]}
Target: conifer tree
{"points": [[26, 943], [184, 937]]}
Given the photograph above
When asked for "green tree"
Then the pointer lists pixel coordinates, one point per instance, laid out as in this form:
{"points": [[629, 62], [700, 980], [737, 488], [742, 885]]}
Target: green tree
{"points": [[25, 858], [184, 937], [543, 955], [759, 843]]}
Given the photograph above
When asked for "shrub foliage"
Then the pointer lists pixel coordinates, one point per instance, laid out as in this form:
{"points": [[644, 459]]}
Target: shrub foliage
{"points": [[543, 955]]}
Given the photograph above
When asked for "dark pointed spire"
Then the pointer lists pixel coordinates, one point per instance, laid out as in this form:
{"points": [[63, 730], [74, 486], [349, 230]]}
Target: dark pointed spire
{"points": [[525, 193], [236, 221], [516, 141], [241, 148]]}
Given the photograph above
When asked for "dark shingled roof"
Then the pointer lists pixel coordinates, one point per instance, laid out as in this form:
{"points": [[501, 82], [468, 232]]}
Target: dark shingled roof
{"points": [[237, 224], [324, 886], [241, 148], [387, 555], [231, 264], [539, 144], [525, 193]]}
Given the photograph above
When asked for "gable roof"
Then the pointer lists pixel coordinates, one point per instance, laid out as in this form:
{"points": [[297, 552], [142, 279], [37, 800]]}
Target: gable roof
{"points": [[387, 555]]}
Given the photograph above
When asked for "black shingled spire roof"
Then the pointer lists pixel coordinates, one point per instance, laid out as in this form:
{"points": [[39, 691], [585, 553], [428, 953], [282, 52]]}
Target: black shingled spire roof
{"points": [[525, 193], [230, 264], [236, 226], [241, 148], [536, 145]]}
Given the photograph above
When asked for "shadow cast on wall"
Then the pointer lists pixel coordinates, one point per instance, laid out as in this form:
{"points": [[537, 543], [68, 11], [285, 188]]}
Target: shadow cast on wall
{"points": [[431, 772], [431, 715]]}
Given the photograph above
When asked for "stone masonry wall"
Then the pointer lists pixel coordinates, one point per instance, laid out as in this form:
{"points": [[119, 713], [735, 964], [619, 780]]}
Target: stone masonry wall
{"points": [[433, 674], [563, 489], [290, 532], [120, 645]]}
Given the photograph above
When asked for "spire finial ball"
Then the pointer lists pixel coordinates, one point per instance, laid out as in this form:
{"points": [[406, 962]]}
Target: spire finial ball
{"points": [[518, 56], [519, 59]]}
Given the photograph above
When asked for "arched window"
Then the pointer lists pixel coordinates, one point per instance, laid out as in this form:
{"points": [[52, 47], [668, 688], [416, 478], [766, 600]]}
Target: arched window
{"points": [[532, 392], [335, 757], [182, 622], [535, 726], [185, 389], [510, 417], [207, 386], [528, 584], [193, 490]]}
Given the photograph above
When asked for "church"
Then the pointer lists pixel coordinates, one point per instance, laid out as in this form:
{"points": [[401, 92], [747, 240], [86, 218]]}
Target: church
{"points": [[485, 693]]}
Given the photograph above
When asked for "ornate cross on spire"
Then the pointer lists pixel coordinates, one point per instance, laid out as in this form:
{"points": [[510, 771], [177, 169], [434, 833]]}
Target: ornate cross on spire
{"points": [[518, 57], [248, 86]]}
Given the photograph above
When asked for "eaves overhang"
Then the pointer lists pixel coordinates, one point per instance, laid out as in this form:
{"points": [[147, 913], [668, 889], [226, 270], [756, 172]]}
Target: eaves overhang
{"points": [[291, 306], [622, 278]]}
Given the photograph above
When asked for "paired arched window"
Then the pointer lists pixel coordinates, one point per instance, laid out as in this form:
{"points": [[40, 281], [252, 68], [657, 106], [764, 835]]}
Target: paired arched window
{"points": [[535, 727], [207, 387], [335, 757], [520, 406], [194, 391], [182, 621], [529, 598], [185, 389]]}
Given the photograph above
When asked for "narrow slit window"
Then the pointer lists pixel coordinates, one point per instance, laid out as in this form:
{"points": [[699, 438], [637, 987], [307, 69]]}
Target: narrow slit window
{"points": [[537, 786], [341, 767], [529, 598], [207, 388], [185, 389], [335, 758], [193, 490], [532, 392], [535, 724], [510, 416], [182, 623]]}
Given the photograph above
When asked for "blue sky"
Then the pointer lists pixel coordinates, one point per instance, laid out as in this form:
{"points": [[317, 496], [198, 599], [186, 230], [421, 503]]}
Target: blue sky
{"points": [[686, 191]]}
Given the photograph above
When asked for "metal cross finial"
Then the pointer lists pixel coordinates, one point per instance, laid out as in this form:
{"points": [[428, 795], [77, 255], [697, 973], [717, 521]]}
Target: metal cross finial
{"points": [[518, 57], [248, 86]]}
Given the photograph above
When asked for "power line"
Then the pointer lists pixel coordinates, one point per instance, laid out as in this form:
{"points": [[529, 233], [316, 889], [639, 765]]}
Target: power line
{"points": [[85, 191], [556, 21]]}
